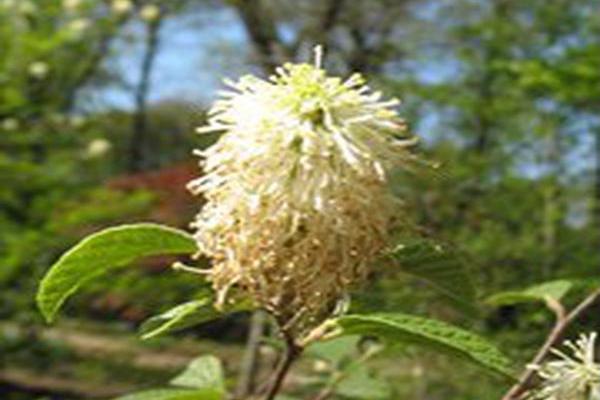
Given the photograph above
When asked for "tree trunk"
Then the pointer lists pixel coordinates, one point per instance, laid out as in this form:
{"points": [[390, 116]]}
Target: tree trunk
{"points": [[262, 32], [596, 207], [138, 143], [552, 208]]}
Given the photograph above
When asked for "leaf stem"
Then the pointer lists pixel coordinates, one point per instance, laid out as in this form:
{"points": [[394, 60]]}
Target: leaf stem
{"points": [[562, 323], [292, 352]]}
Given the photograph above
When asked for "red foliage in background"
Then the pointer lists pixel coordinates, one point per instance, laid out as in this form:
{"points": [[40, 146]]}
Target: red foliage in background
{"points": [[176, 206]]}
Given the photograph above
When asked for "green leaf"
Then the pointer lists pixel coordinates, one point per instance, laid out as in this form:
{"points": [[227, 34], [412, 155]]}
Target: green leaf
{"points": [[174, 394], [334, 350], [204, 372], [554, 289], [179, 317], [185, 315], [441, 266], [403, 328], [102, 252], [360, 383]]}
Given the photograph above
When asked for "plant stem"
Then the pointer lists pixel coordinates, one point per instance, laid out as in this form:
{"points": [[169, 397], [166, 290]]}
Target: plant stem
{"points": [[250, 362], [292, 352], [562, 322]]}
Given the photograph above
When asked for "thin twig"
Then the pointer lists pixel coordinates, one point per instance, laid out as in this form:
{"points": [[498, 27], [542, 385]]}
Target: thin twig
{"points": [[562, 322], [262, 31], [327, 391], [292, 352]]}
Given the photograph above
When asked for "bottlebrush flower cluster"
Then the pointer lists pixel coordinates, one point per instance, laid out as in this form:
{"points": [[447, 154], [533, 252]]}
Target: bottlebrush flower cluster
{"points": [[297, 187], [571, 377]]}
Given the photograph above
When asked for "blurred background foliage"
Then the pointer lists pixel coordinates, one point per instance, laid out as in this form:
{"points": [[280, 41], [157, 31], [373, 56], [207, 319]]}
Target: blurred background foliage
{"points": [[99, 99]]}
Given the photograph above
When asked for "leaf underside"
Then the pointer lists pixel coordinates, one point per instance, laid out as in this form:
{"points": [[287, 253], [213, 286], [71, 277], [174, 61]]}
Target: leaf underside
{"points": [[204, 372], [188, 314], [174, 394], [553, 289], [409, 329], [441, 266]]}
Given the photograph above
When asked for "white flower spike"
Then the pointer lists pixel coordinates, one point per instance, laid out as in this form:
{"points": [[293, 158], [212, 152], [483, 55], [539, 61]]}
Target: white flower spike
{"points": [[98, 148], [71, 5], [79, 26], [38, 69], [150, 13], [298, 198], [10, 124], [121, 7], [571, 377]]}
